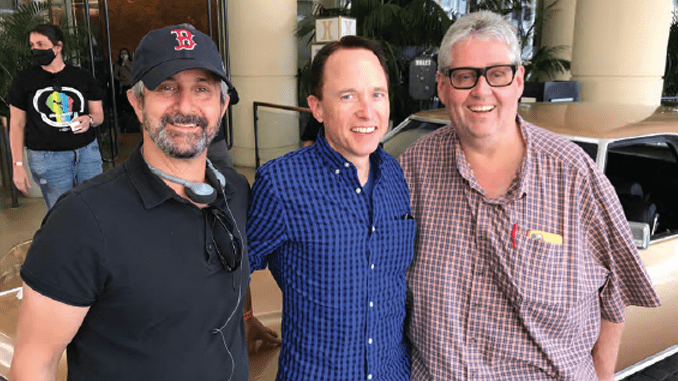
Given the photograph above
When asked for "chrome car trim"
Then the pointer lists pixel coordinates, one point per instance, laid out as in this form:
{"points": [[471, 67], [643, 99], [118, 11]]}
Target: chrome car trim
{"points": [[16, 289], [663, 238], [637, 367]]}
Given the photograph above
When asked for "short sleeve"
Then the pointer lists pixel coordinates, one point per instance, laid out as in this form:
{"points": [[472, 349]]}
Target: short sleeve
{"points": [[65, 260], [266, 229], [612, 243], [94, 90], [17, 95]]}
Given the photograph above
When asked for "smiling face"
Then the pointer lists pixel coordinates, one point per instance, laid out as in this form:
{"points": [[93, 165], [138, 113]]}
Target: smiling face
{"points": [[183, 114], [354, 107], [483, 112]]}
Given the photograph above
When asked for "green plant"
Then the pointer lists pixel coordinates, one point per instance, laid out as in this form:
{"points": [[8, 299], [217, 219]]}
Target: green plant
{"points": [[16, 53], [541, 63], [405, 29], [545, 64], [671, 71]]}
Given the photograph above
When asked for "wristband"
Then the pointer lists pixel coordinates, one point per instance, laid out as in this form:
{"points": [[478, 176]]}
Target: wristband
{"points": [[17, 164], [91, 120], [247, 315]]}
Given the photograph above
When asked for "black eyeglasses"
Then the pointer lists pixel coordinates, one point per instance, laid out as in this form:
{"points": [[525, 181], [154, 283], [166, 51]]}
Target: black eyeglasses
{"points": [[227, 244], [464, 78]]}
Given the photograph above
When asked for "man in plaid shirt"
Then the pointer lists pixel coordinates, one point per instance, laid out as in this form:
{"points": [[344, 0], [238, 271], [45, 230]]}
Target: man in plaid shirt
{"points": [[524, 261]]}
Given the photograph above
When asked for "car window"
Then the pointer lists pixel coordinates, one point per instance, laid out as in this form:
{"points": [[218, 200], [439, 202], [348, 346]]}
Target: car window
{"points": [[406, 134], [590, 148], [645, 176]]}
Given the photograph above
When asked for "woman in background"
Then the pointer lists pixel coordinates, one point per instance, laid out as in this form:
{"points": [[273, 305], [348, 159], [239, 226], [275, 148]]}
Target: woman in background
{"points": [[122, 71], [53, 107]]}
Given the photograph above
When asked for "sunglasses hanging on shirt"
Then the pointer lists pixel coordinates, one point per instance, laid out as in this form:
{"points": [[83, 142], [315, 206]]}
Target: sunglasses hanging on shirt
{"points": [[225, 238]]}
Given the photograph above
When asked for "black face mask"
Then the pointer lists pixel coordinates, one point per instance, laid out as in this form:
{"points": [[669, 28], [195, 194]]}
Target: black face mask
{"points": [[44, 57]]}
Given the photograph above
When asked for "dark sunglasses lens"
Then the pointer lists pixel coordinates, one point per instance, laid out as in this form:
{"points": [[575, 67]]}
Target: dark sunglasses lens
{"points": [[226, 243]]}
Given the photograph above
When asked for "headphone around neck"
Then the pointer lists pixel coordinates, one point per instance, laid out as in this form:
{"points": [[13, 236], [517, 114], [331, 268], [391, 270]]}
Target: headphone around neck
{"points": [[200, 193]]}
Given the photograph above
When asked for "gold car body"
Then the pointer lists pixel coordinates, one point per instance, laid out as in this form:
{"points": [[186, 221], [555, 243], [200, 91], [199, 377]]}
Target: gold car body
{"points": [[650, 334]]}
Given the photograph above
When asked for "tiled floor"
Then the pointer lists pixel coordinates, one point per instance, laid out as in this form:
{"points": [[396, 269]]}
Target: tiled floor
{"points": [[19, 224]]}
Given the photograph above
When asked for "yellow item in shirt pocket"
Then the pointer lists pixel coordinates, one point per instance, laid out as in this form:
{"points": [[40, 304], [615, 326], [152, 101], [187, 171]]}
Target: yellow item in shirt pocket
{"points": [[546, 236]]}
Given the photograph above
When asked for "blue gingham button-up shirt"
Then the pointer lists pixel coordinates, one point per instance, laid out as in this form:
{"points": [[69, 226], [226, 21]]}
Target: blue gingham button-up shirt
{"points": [[341, 269]]}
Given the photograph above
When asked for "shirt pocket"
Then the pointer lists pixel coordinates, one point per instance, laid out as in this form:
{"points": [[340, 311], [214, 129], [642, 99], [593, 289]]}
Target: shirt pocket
{"points": [[541, 272], [394, 239]]}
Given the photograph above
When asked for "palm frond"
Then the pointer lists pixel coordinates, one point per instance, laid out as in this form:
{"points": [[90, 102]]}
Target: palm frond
{"points": [[545, 64], [16, 54]]}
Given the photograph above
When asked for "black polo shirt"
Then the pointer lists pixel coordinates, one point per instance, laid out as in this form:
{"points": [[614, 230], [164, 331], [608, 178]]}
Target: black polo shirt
{"points": [[127, 246]]}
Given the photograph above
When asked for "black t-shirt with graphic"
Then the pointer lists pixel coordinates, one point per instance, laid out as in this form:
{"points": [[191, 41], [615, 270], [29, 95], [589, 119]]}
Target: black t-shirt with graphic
{"points": [[51, 102]]}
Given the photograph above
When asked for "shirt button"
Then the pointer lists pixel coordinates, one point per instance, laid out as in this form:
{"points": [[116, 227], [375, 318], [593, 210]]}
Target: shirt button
{"points": [[358, 190], [476, 305], [373, 228], [347, 165], [209, 246], [473, 340], [371, 304], [372, 267], [336, 171], [369, 341], [369, 376], [482, 237]]}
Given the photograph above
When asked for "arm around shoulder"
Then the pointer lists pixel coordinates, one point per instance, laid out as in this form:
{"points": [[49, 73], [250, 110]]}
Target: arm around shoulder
{"points": [[266, 226], [45, 328]]}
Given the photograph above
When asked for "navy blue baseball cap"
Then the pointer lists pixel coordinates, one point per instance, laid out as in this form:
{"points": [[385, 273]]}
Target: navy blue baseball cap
{"points": [[166, 51]]}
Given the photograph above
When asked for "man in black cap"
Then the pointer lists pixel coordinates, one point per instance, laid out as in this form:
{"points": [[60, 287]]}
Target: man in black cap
{"points": [[141, 273]]}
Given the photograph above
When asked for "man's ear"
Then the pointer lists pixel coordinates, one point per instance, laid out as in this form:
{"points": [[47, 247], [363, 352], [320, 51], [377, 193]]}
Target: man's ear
{"points": [[440, 85], [137, 104], [316, 107], [224, 106], [520, 78]]}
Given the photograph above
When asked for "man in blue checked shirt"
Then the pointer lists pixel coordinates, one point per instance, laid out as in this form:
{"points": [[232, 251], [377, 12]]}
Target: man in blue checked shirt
{"points": [[333, 223]]}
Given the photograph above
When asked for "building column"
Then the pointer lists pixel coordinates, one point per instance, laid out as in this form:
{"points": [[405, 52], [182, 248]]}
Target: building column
{"points": [[263, 58], [557, 29], [619, 50]]}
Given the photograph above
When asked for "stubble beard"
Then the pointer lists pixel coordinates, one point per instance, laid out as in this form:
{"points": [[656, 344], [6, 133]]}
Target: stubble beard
{"points": [[195, 142]]}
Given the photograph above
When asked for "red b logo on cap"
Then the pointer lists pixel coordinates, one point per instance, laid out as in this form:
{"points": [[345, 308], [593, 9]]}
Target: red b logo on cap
{"points": [[185, 39]]}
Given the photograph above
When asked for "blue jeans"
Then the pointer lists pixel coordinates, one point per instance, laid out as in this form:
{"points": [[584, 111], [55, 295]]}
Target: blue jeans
{"points": [[59, 171]]}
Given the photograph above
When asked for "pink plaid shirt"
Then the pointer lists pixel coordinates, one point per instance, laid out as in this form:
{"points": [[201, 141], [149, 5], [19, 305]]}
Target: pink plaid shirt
{"points": [[488, 302]]}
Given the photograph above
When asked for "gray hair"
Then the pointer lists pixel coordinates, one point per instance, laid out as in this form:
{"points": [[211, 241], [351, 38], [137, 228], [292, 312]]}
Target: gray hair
{"points": [[483, 25], [139, 88]]}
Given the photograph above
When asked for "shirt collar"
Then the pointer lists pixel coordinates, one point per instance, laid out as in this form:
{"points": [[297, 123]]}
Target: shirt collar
{"points": [[334, 160], [526, 171], [153, 190], [516, 191]]}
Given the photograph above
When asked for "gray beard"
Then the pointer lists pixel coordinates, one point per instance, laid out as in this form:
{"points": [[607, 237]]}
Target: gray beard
{"points": [[198, 142]]}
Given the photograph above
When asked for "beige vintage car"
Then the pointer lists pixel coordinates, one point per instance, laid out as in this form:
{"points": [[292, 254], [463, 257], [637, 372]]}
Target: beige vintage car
{"points": [[637, 148]]}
